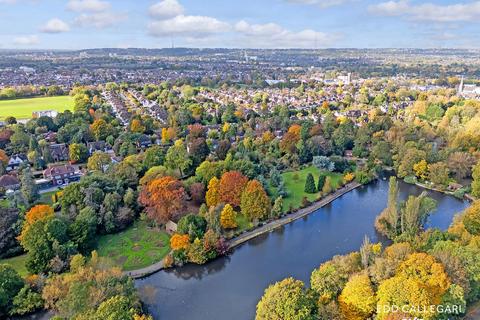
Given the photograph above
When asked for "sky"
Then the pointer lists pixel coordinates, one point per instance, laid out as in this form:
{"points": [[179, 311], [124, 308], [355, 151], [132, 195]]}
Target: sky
{"points": [[82, 24]]}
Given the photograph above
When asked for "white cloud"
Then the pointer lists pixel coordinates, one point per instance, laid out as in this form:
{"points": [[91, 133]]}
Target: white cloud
{"points": [[428, 11], [272, 35], [187, 26], [88, 5], [26, 40], [321, 3], [99, 20], [166, 9], [55, 26]]}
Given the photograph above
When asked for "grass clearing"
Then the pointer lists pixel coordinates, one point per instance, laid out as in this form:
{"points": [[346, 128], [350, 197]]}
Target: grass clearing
{"points": [[23, 108], [295, 187], [18, 263], [46, 197], [137, 247]]}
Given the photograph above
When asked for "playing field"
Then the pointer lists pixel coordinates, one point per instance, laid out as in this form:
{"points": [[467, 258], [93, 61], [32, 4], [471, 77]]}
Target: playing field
{"points": [[23, 108]]}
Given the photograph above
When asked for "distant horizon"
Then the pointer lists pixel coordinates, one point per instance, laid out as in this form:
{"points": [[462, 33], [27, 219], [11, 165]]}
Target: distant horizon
{"points": [[241, 48]]}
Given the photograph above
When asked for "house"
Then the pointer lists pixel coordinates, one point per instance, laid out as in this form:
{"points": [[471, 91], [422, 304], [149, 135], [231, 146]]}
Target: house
{"points": [[60, 174], [144, 142], [9, 182], [15, 161], [44, 113], [97, 146], [171, 227], [59, 152]]}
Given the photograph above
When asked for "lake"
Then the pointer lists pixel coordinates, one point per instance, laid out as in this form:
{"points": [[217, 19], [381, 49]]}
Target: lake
{"points": [[230, 287]]}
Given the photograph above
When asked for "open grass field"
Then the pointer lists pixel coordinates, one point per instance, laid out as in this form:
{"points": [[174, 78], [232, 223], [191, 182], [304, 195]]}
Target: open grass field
{"points": [[18, 263], [23, 108], [137, 247], [295, 185]]}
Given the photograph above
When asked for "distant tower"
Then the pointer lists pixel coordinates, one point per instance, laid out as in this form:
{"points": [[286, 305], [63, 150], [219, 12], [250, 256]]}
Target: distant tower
{"points": [[246, 56], [460, 86], [349, 78]]}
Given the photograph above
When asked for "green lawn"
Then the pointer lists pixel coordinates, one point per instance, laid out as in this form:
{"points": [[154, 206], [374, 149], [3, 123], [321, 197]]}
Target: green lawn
{"points": [[296, 188], [22, 108], [46, 198], [137, 247], [242, 222], [18, 263]]}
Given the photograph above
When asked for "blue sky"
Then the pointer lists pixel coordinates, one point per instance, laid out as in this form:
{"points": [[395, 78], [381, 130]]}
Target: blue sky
{"points": [[78, 24]]}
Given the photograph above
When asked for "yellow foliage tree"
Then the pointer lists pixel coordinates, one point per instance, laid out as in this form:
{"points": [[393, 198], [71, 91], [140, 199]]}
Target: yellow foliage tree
{"points": [[421, 169], [36, 213], [348, 177], [357, 300], [227, 217], [213, 193]]}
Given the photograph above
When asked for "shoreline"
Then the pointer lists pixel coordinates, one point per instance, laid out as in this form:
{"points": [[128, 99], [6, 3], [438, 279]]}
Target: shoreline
{"points": [[265, 228]]}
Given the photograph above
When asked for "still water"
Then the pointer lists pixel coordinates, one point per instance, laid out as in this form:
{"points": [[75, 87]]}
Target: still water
{"points": [[229, 287]]}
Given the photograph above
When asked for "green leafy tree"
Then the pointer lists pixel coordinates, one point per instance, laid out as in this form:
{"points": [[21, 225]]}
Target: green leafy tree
{"points": [[193, 225], [10, 284], [177, 157], [321, 182]]}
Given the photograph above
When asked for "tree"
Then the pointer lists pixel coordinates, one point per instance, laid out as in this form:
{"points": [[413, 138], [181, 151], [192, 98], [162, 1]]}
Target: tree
{"points": [[101, 129], [321, 182], [81, 102], [177, 157], [28, 187], [9, 220], [77, 152], [476, 180], [387, 222], [163, 198], [197, 192], [310, 184], [26, 301], [154, 156], [357, 300], [323, 163], [44, 240], [460, 163], [277, 208], [438, 173], [10, 284], [231, 187], [193, 225], [136, 126], [82, 231], [36, 213], [327, 186], [415, 212], [179, 241], [421, 169], [471, 219], [212, 196], [99, 161], [255, 203], [227, 217], [286, 300], [419, 281]]}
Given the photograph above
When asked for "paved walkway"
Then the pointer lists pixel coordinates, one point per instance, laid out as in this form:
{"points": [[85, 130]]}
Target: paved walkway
{"points": [[144, 272], [293, 216]]}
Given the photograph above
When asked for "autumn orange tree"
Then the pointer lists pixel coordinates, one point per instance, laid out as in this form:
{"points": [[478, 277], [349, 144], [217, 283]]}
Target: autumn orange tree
{"points": [[179, 241], [213, 193], [36, 213], [231, 187], [163, 198], [227, 218], [290, 139], [3, 157], [255, 203]]}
